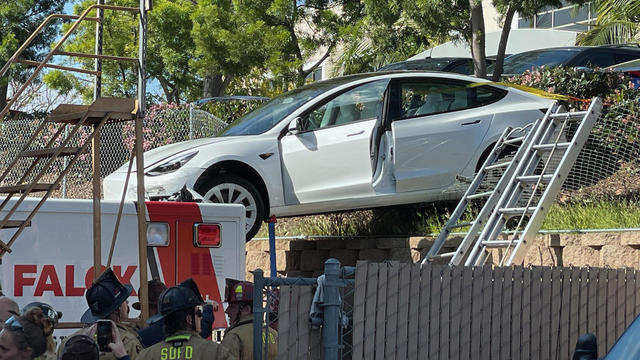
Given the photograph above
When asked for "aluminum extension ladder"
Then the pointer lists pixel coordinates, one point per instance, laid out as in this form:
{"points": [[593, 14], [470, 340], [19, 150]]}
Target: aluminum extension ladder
{"points": [[523, 194]]}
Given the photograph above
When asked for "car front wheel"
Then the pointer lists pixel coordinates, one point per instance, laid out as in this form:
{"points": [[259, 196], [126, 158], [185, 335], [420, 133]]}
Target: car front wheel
{"points": [[233, 189]]}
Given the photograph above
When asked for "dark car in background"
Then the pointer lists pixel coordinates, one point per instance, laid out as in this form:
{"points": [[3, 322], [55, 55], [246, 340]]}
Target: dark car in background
{"points": [[572, 56], [458, 65]]}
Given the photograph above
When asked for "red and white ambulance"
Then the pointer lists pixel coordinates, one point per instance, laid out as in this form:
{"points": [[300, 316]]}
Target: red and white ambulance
{"points": [[52, 260]]}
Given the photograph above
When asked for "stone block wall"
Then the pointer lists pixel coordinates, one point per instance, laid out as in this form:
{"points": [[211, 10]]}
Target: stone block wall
{"points": [[306, 257]]}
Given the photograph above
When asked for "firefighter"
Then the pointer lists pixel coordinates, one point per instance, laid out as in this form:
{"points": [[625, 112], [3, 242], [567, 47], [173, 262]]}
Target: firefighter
{"points": [[8, 308], [51, 318], [177, 306], [238, 338], [107, 299]]}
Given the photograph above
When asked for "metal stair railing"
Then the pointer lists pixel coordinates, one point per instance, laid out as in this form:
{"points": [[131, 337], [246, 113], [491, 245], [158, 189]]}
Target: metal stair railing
{"points": [[51, 151], [44, 62]]}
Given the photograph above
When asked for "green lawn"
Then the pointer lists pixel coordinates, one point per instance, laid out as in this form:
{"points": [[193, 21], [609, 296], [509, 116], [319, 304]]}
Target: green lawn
{"points": [[412, 221]]}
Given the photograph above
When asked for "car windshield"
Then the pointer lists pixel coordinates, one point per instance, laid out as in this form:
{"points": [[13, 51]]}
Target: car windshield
{"points": [[519, 63], [268, 115], [424, 64], [627, 346]]}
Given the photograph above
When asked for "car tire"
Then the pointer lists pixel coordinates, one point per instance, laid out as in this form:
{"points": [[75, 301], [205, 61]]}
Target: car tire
{"points": [[233, 189]]}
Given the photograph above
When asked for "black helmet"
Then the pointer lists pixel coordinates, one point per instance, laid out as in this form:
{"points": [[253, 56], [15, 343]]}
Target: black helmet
{"points": [[105, 296], [191, 284], [174, 299], [47, 310]]}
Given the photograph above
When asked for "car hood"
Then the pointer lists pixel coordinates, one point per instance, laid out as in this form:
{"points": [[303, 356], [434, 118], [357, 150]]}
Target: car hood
{"points": [[154, 156]]}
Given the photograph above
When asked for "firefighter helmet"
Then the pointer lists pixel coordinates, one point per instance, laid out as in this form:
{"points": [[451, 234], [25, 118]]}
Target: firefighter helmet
{"points": [[105, 296], [174, 299], [237, 291]]}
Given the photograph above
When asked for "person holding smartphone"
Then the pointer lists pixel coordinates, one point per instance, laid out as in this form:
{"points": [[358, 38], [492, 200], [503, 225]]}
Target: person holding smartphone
{"points": [[107, 299]]}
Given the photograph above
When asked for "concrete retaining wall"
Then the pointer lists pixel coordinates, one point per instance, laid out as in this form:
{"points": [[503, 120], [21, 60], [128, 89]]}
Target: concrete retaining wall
{"points": [[305, 257]]}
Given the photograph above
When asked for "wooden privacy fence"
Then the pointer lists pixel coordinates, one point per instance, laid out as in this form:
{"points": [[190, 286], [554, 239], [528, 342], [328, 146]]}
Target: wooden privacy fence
{"points": [[296, 338], [405, 311]]}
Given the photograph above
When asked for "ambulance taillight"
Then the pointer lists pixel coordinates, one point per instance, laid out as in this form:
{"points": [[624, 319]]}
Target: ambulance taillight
{"points": [[206, 235]]}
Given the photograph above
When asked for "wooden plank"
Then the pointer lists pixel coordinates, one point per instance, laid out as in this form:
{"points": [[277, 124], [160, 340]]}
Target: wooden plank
{"points": [[505, 317], [546, 330], [381, 315], [630, 291], [566, 346], [583, 309], [536, 314], [425, 311], [612, 287], [404, 299], [620, 302], [370, 312], [306, 296], [601, 317], [393, 271], [467, 303], [435, 310], [283, 322], [293, 323], [516, 308], [21, 188], [592, 301], [574, 309], [359, 304], [487, 301], [476, 312], [496, 311], [450, 314], [414, 313], [554, 318], [525, 335]]}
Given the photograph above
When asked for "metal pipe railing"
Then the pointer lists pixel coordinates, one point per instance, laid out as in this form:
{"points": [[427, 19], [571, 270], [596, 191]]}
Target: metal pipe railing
{"points": [[35, 73]]}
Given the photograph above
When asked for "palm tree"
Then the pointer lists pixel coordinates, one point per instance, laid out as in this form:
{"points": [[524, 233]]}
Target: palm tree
{"points": [[617, 23]]}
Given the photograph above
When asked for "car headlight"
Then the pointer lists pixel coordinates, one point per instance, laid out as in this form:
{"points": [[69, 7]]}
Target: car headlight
{"points": [[172, 164]]}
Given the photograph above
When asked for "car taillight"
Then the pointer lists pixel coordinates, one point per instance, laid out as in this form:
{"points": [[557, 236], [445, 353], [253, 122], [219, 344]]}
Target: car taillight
{"points": [[206, 235]]}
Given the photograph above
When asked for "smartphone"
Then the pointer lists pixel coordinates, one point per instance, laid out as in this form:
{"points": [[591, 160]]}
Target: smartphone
{"points": [[104, 335]]}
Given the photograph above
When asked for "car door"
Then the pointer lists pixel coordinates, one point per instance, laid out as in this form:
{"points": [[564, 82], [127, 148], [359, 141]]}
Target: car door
{"points": [[437, 127], [330, 158]]}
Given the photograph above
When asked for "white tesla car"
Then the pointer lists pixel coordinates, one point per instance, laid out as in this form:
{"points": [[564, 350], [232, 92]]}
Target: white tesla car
{"points": [[354, 142]]}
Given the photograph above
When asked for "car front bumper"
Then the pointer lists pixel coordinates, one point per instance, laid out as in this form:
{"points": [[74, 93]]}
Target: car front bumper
{"points": [[156, 187]]}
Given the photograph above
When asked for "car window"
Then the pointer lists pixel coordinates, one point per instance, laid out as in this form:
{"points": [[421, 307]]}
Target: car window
{"points": [[464, 67], [361, 103], [597, 59], [432, 96], [519, 63], [272, 112]]}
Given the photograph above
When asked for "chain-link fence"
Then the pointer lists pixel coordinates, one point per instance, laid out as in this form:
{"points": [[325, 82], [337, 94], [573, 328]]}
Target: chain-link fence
{"points": [[312, 318], [163, 124]]}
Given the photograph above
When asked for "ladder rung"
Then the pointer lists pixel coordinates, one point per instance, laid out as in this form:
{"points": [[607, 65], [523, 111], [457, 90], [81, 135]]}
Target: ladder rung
{"points": [[517, 211], [480, 195], [547, 147], [15, 224], [23, 187], [460, 225], [514, 140], [499, 243], [578, 115], [67, 151], [497, 166], [442, 256], [534, 178], [59, 67]]}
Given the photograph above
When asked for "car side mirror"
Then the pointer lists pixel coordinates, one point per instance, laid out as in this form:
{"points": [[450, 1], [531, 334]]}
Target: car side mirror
{"points": [[294, 126]]}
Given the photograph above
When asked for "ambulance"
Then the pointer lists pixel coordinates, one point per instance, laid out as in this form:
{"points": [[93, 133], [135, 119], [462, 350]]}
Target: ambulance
{"points": [[52, 260]]}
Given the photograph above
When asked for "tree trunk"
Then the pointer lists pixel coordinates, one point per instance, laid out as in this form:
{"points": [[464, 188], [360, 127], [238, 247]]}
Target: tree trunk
{"points": [[502, 46], [215, 84], [477, 39]]}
